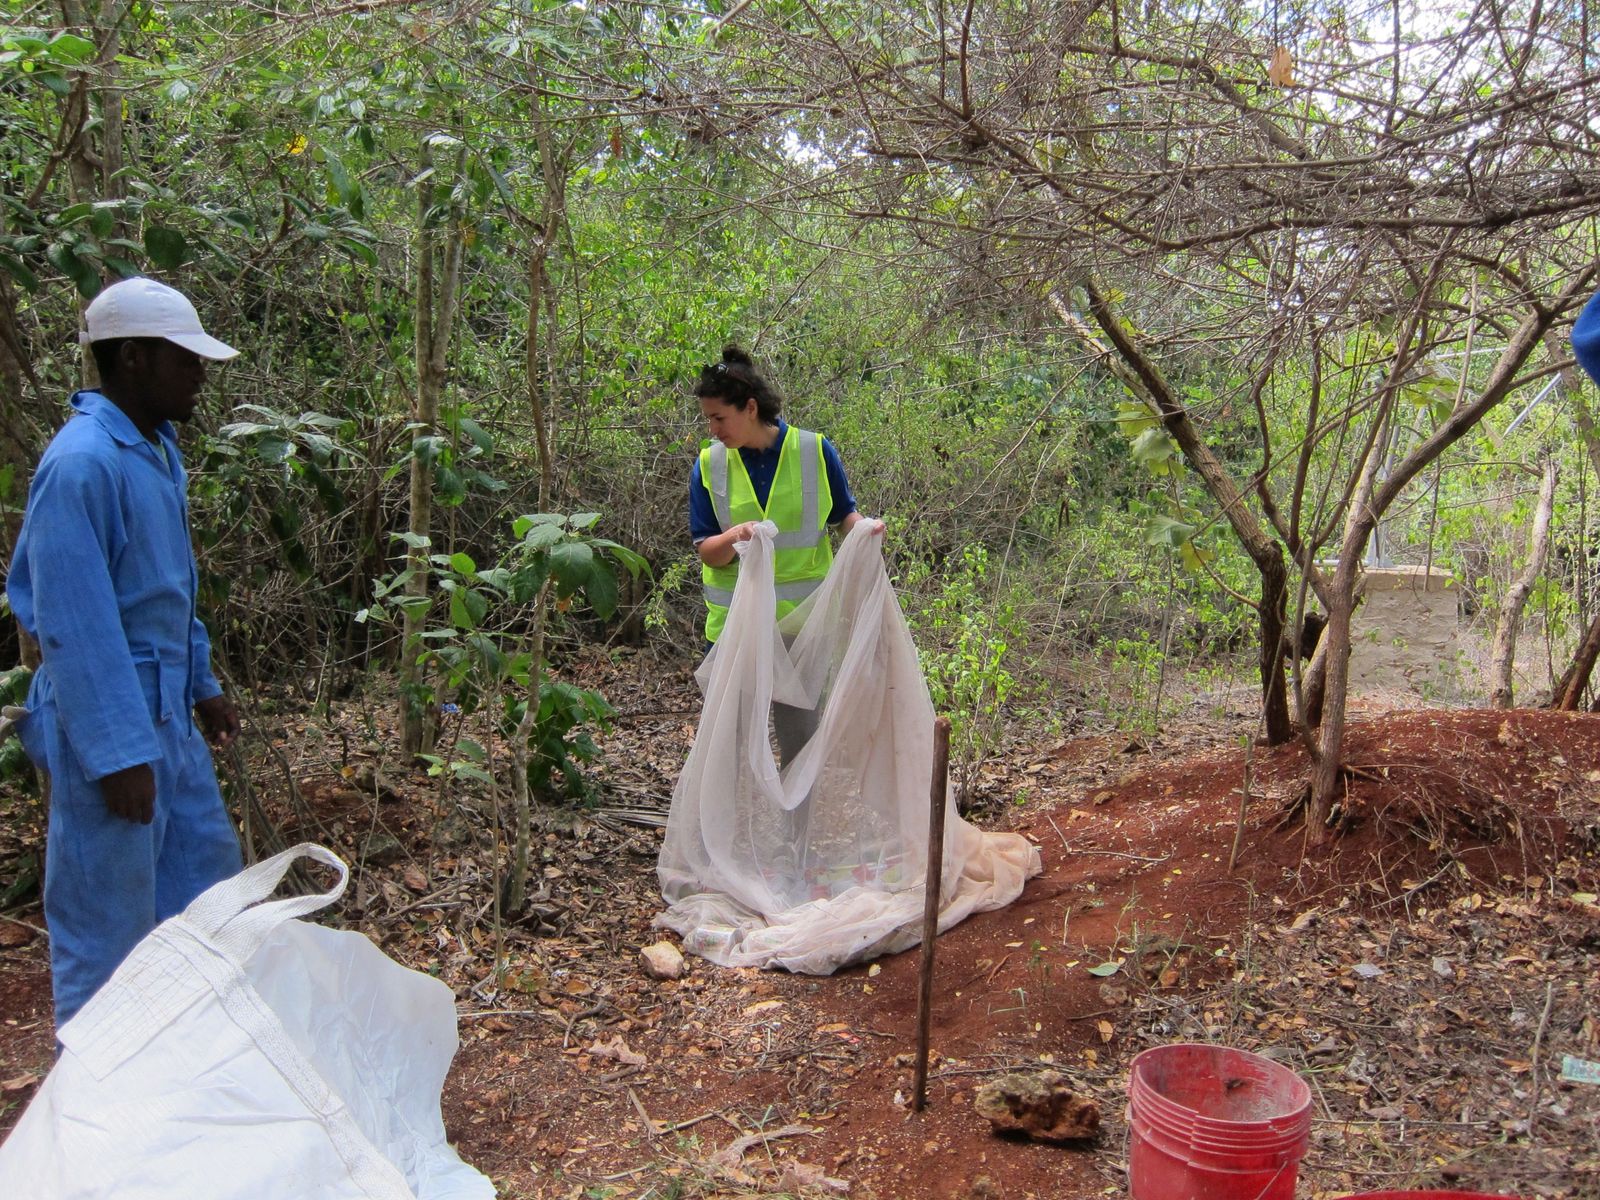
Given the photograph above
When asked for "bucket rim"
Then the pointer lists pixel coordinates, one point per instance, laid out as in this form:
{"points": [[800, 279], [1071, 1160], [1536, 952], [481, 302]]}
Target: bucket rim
{"points": [[1297, 1100]]}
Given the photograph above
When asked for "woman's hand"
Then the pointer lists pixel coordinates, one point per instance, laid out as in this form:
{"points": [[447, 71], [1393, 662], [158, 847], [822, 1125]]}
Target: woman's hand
{"points": [[719, 551], [856, 518]]}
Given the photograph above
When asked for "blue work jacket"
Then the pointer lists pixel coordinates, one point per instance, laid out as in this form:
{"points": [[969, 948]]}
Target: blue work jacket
{"points": [[104, 578], [1586, 337]]}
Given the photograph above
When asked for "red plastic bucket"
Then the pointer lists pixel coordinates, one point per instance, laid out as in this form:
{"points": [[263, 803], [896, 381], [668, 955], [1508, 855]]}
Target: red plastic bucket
{"points": [[1214, 1123]]}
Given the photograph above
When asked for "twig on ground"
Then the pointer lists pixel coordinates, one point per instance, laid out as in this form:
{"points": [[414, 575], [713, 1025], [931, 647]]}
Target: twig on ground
{"points": [[1538, 1042], [644, 1117], [733, 1153], [39, 929]]}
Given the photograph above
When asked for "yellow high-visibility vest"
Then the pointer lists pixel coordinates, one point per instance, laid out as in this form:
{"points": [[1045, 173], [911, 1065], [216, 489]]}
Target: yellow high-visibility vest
{"points": [[799, 504]]}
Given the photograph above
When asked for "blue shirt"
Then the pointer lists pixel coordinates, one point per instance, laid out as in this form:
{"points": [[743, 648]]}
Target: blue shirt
{"points": [[762, 466], [1586, 338], [104, 579]]}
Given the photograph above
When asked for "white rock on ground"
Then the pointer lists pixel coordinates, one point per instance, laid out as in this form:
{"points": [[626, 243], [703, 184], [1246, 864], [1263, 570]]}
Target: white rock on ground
{"points": [[662, 961]]}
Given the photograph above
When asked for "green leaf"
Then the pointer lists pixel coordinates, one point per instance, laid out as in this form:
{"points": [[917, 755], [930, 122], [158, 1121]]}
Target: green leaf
{"points": [[527, 521], [1133, 418], [1153, 448], [498, 578], [634, 562], [165, 246], [343, 185], [1195, 558], [601, 590], [480, 437], [1164, 531], [357, 250], [571, 563], [527, 580], [1106, 969], [70, 48], [462, 564], [19, 272], [542, 536], [65, 259]]}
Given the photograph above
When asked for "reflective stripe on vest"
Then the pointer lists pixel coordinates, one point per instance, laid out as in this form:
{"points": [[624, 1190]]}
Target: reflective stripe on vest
{"points": [[811, 529], [793, 592]]}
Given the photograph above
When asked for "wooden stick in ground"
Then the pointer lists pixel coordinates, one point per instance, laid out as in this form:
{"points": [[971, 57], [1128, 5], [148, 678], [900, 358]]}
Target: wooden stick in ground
{"points": [[1244, 801], [930, 905]]}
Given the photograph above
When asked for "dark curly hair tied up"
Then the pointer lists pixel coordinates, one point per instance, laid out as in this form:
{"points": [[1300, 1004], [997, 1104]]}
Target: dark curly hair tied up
{"points": [[735, 381]]}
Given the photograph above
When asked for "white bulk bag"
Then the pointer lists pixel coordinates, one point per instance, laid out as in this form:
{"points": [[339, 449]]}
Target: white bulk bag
{"points": [[240, 1054], [822, 863]]}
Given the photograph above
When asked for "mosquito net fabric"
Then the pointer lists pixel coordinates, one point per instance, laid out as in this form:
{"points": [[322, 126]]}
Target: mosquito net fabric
{"points": [[820, 863]]}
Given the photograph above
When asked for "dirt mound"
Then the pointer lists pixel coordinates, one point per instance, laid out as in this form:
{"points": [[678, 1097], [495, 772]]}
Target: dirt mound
{"points": [[1427, 970]]}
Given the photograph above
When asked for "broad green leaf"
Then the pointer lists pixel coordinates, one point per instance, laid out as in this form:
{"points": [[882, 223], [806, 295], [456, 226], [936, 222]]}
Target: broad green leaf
{"points": [[541, 536], [601, 590], [15, 268], [571, 563], [1164, 531], [479, 436], [70, 48], [634, 562], [527, 521], [65, 259], [1153, 448], [165, 246]]}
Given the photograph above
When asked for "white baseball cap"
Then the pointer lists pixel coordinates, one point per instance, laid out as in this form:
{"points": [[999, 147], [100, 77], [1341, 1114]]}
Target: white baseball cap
{"points": [[141, 307]]}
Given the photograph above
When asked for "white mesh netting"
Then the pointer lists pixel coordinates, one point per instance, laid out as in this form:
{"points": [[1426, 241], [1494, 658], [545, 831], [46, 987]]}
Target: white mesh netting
{"points": [[819, 864]]}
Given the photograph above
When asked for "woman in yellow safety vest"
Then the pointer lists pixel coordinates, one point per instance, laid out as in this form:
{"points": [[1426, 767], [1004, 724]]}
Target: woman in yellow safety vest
{"points": [[761, 468]]}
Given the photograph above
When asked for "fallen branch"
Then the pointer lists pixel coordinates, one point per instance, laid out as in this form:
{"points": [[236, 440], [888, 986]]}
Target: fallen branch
{"points": [[733, 1153]]}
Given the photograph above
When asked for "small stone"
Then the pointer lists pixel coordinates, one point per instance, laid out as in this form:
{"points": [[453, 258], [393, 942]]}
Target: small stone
{"points": [[1040, 1105], [662, 960], [381, 849], [984, 1188]]}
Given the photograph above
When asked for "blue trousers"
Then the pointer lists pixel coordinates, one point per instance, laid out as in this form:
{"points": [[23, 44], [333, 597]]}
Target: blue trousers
{"points": [[109, 881]]}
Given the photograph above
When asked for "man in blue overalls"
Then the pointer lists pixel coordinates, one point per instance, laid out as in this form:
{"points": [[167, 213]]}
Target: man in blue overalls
{"points": [[104, 579]]}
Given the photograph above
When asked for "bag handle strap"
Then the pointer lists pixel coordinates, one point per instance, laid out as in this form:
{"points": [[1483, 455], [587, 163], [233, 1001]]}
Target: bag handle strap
{"points": [[232, 916]]}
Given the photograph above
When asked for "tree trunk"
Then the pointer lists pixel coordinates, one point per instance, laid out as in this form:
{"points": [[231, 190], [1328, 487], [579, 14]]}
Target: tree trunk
{"points": [[1505, 634], [1568, 691], [436, 294], [544, 236], [1145, 380], [1372, 500], [516, 886]]}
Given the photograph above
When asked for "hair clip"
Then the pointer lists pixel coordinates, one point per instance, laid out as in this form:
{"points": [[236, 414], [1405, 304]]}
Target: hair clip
{"points": [[720, 368]]}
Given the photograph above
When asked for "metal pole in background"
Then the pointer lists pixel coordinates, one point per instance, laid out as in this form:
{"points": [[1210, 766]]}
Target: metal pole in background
{"points": [[930, 905]]}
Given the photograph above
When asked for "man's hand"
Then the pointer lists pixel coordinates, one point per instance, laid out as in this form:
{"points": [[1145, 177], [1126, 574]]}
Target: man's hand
{"points": [[131, 793], [219, 720]]}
